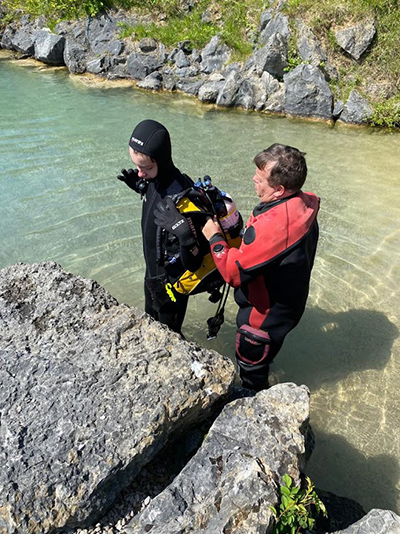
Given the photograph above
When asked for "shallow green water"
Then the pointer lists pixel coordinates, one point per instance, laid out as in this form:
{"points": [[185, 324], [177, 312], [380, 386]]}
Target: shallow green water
{"points": [[62, 144]]}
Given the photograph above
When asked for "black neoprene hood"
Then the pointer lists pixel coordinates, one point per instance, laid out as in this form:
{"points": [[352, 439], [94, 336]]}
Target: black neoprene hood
{"points": [[152, 138]]}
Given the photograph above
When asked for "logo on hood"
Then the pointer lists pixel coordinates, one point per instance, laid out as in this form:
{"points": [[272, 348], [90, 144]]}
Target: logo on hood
{"points": [[138, 141]]}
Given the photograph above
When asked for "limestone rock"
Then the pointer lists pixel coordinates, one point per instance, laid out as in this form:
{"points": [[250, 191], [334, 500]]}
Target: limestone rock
{"points": [[23, 41], [100, 30], [49, 48], [311, 51], [75, 56], [139, 66], [227, 94], [209, 91], [356, 110], [356, 39], [90, 391], [214, 55], [272, 57], [152, 82], [233, 479], [278, 24], [307, 93]]}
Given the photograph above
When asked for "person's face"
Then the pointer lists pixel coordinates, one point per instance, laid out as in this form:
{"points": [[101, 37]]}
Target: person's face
{"points": [[264, 191], [147, 168]]}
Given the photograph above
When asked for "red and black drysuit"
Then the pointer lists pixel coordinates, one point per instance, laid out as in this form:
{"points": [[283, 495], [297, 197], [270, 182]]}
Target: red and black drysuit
{"points": [[270, 272]]}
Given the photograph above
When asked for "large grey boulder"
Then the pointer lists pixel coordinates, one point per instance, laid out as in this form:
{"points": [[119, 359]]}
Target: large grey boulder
{"points": [[356, 110], [209, 91], [307, 93], [23, 41], [214, 55], [272, 25], [90, 391], [49, 48], [227, 94], [152, 82], [7, 37], [75, 56], [375, 522], [100, 31], [234, 478], [356, 39], [272, 57], [138, 66]]}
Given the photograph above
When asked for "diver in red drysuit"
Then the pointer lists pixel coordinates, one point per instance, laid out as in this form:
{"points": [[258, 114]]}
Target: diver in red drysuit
{"points": [[271, 270]]}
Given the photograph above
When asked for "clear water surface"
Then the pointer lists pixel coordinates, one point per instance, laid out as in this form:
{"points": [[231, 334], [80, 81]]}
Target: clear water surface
{"points": [[62, 142]]}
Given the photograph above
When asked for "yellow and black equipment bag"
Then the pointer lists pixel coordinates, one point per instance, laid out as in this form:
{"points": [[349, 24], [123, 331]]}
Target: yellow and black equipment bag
{"points": [[197, 203]]}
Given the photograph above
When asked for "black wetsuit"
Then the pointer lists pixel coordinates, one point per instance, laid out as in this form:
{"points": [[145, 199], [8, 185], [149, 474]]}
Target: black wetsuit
{"points": [[152, 138]]}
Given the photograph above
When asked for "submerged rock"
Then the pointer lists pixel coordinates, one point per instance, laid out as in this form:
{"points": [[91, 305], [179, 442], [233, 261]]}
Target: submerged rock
{"points": [[90, 391]]}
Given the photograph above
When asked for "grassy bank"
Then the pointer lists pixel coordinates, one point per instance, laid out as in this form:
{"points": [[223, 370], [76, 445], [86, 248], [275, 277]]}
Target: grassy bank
{"points": [[377, 75]]}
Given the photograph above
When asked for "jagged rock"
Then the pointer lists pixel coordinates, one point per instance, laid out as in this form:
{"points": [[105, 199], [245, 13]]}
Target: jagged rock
{"points": [[311, 51], [337, 109], [23, 41], [147, 45], [139, 66], [189, 86], [75, 56], [265, 18], [272, 57], [278, 24], [356, 110], [187, 72], [181, 60], [227, 94], [90, 391], [7, 37], [356, 39], [375, 522], [169, 82], [307, 93], [246, 95], [152, 82], [49, 48], [209, 91], [97, 65], [276, 101], [233, 479], [115, 47], [100, 30], [214, 55]]}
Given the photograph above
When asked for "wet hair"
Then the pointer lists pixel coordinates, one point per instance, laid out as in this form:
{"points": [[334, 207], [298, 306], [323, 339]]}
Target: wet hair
{"points": [[290, 169]]}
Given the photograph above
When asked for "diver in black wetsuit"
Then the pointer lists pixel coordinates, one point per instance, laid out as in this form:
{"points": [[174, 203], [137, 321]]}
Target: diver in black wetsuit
{"points": [[155, 178]]}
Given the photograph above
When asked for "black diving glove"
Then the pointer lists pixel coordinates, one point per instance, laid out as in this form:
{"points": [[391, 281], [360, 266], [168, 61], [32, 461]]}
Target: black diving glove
{"points": [[132, 180], [168, 217]]}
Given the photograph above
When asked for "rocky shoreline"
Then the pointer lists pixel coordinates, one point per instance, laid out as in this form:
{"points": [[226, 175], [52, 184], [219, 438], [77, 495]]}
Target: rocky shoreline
{"points": [[263, 83]]}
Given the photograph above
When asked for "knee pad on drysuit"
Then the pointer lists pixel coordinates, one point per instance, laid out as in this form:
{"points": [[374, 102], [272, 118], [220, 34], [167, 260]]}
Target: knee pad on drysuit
{"points": [[252, 350]]}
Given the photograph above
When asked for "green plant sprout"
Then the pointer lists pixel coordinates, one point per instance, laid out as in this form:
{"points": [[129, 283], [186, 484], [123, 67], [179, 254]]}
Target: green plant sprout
{"points": [[295, 514]]}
